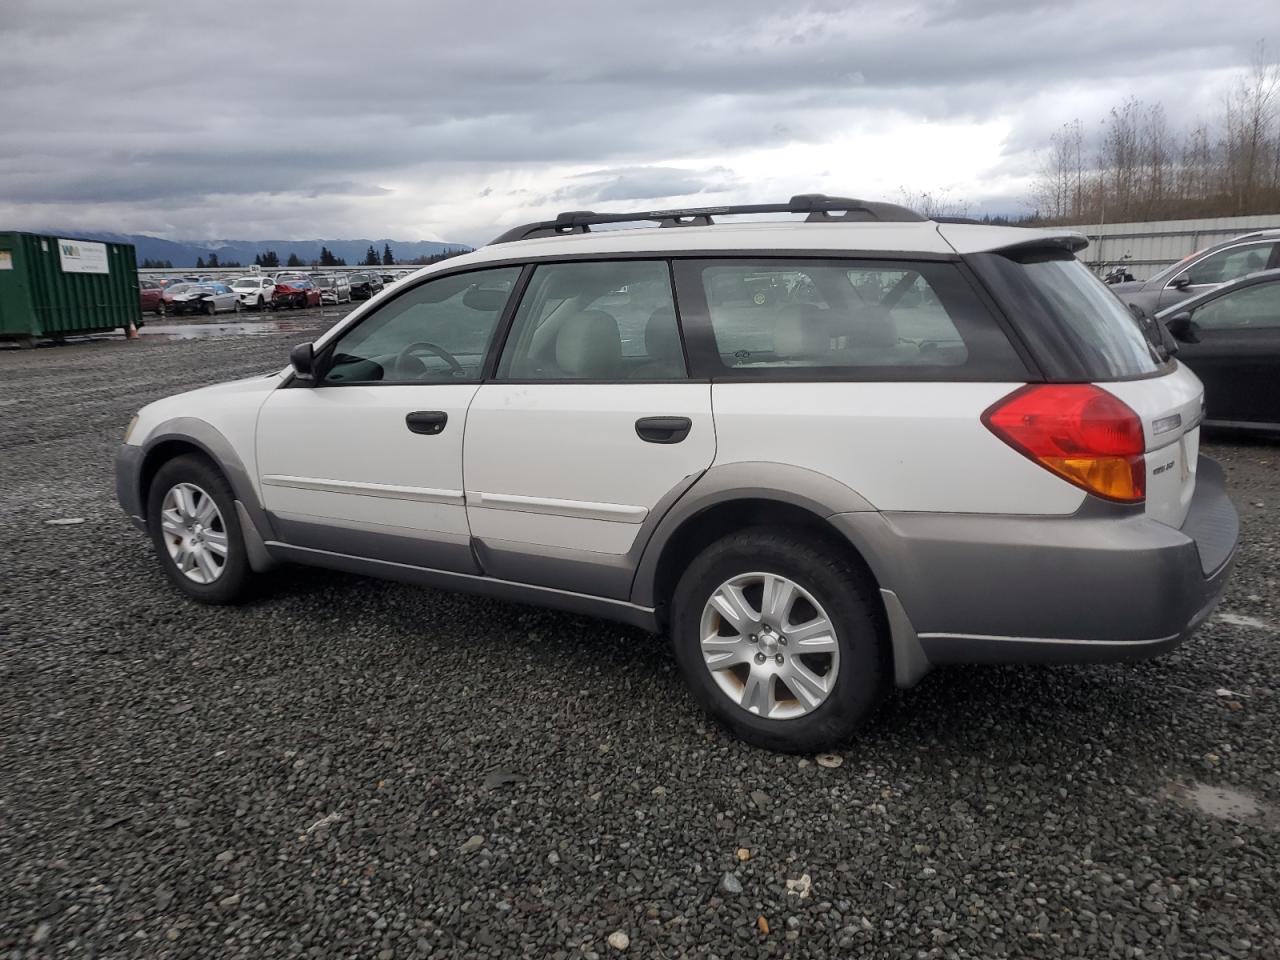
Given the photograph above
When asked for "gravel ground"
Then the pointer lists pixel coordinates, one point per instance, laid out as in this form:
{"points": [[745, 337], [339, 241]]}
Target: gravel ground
{"points": [[352, 768]]}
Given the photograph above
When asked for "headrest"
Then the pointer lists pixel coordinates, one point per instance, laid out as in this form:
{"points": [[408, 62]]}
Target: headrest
{"points": [[873, 327], [588, 345], [801, 333]]}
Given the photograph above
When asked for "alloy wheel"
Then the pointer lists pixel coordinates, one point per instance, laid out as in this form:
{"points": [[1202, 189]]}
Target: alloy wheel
{"points": [[194, 532], [769, 646]]}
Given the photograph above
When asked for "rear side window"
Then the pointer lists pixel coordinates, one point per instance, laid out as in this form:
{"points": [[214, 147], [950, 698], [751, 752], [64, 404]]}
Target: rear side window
{"points": [[858, 319], [1071, 315]]}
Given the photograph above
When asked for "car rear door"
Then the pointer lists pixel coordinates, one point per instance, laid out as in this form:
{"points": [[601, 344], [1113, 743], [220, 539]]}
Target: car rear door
{"points": [[368, 461], [590, 427], [1238, 354]]}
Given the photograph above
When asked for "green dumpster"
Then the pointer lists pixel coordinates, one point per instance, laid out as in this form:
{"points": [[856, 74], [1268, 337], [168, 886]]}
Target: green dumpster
{"points": [[59, 286]]}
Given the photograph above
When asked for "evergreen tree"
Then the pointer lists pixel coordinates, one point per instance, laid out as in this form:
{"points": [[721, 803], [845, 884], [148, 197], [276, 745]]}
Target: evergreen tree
{"points": [[371, 258], [199, 263], [257, 259], [269, 259], [213, 261], [293, 260], [387, 258]]}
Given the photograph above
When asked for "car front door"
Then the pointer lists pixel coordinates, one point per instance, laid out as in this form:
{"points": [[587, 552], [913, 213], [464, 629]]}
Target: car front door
{"points": [[368, 461], [1226, 265], [1238, 354], [590, 427]]}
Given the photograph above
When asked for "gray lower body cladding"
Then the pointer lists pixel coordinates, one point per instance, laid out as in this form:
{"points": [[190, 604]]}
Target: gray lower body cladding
{"points": [[984, 589], [960, 588]]}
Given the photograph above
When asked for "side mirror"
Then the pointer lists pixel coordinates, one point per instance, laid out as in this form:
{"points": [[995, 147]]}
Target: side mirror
{"points": [[303, 358], [1182, 282], [1183, 327]]}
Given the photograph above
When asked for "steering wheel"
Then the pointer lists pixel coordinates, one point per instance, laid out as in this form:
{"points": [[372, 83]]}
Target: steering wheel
{"points": [[402, 358]]}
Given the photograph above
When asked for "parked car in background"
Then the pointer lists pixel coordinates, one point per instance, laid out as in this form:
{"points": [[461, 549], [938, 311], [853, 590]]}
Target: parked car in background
{"points": [[1202, 271], [296, 292], [1230, 338], [207, 298], [334, 287], [388, 279], [817, 497], [365, 285], [256, 293], [151, 297]]}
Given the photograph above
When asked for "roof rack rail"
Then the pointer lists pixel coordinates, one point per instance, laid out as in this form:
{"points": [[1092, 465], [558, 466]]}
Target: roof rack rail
{"points": [[820, 209]]}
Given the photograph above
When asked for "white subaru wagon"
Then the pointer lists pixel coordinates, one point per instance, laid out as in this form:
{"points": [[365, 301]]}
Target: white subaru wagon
{"points": [[822, 453]]}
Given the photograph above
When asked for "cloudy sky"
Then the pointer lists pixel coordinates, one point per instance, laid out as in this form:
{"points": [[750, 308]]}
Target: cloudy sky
{"points": [[426, 120]]}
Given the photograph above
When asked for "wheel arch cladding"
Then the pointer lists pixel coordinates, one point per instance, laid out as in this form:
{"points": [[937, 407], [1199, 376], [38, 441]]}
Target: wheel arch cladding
{"points": [[730, 496], [699, 530], [189, 435]]}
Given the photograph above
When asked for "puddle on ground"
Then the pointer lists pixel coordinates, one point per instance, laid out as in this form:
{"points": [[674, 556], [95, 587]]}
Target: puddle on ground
{"points": [[206, 331], [1224, 803]]}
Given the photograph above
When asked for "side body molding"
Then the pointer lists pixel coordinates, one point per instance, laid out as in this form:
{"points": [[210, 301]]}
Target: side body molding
{"points": [[748, 480]]}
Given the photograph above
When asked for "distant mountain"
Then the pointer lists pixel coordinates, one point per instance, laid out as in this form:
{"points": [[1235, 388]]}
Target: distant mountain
{"points": [[183, 253]]}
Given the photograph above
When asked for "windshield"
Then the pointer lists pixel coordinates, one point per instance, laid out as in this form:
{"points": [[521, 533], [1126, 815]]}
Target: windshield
{"points": [[178, 288], [245, 284]]}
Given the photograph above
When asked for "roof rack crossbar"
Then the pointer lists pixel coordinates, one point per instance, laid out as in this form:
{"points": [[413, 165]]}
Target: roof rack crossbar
{"points": [[820, 208]]}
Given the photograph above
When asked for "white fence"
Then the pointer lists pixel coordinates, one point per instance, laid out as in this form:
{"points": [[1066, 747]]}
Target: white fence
{"points": [[1147, 248]]}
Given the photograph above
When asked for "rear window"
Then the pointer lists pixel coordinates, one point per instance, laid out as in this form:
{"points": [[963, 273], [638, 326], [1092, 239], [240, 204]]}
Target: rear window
{"points": [[851, 319], [1102, 338]]}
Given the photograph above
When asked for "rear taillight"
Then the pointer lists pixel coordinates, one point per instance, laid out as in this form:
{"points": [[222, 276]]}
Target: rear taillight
{"points": [[1080, 432]]}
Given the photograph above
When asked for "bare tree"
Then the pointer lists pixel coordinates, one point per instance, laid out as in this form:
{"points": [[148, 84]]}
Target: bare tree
{"points": [[1142, 169], [933, 204], [1249, 119]]}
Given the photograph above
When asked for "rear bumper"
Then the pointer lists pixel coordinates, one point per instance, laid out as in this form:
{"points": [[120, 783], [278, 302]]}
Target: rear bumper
{"points": [[1085, 588]]}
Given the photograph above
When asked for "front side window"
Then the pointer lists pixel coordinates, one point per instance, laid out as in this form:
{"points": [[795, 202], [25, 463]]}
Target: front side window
{"points": [[438, 332], [836, 316], [612, 320], [1253, 308], [1230, 264]]}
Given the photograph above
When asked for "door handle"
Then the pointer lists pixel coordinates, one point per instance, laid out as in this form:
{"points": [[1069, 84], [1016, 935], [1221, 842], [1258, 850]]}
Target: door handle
{"points": [[429, 422], [663, 429]]}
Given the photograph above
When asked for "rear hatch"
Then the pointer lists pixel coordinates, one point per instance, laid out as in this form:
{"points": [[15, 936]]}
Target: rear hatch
{"points": [[1080, 332]]}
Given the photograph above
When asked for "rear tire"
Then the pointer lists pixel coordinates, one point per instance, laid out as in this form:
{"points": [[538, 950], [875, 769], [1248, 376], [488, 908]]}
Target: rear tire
{"points": [[839, 679], [219, 579]]}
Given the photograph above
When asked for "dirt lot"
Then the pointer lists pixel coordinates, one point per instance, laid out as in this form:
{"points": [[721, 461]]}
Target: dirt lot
{"points": [[352, 768]]}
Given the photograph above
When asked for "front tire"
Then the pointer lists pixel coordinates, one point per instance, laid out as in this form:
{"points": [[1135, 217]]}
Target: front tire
{"points": [[781, 638], [192, 519]]}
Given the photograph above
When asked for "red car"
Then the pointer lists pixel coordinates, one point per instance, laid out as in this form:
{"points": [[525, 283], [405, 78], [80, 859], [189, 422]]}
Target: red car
{"points": [[151, 297], [295, 292]]}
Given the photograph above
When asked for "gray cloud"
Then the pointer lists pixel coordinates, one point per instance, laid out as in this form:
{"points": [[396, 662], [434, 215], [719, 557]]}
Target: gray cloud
{"points": [[112, 112]]}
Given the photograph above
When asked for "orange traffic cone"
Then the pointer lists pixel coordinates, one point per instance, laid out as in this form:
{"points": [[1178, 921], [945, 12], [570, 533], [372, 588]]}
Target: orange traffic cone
{"points": [[132, 332]]}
